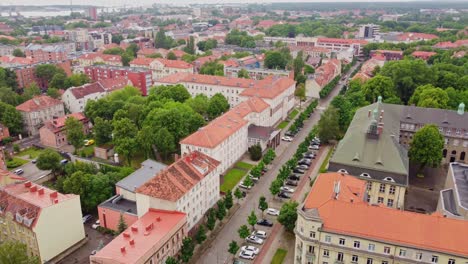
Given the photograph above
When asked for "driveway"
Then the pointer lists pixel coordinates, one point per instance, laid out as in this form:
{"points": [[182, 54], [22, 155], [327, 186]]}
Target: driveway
{"points": [[32, 173]]}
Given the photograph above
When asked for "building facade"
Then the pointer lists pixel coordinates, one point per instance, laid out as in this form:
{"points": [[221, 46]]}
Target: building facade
{"points": [[75, 98], [257, 73], [53, 133], [46, 53], [162, 67], [37, 111], [336, 225], [453, 199], [369, 31], [4, 132]]}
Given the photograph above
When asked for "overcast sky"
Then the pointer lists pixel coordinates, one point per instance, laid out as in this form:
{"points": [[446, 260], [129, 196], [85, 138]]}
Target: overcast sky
{"points": [[149, 2]]}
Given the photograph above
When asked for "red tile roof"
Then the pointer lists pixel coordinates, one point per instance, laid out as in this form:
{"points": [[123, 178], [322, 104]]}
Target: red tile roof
{"points": [[445, 45], [87, 89], [325, 73], [175, 63], [270, 87], [342, 41], [104, 57], [416, 36], [38, 103], [58, 124], [143, 238], [349, 214], [423, 54], [16, 60], [142, 61], [114, 84], [180, 177]]}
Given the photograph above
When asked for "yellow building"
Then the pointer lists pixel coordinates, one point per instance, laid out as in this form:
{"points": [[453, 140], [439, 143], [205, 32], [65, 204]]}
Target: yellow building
{"points": [[46, 221], [336, 225]]}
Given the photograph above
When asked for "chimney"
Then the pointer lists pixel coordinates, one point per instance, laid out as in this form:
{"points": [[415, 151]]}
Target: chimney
{"points": [[158, 219], [126, 235], [134, 229], [132, 242], [40, 191], [33, 189], [122, 249], [27, 184], [149, 227], [53, 195], [56, 201]]}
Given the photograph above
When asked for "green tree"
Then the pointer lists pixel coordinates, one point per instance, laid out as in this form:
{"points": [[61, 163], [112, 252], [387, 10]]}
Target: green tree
{"points": [[58, 81], [122, 224], [298, 63], [74, 130], [262, 204], [328, 126], [186, 251], [430, 97], [199, 104], [49, 160], [54, 93], [243, 231], [171, 260], [200, 236], [275, 186], [75, 80], [171, 56], [228, 201], [190, 47], [426, 147], [12, 252], [345, 111], [221, 211], [252, 219], [233, 247], [178, 92], [11, 118], [8, 78], [125, 133], [243, 73], [31, 91], [218, 105], [102, 131], [248, 181], [47, 71], [212, 68], [211, 219], [288, 215], [18, 53], [379, 86], [274, 60], [255, 152], [117, 38], [238, 194], [300, 92], [164, 142]]}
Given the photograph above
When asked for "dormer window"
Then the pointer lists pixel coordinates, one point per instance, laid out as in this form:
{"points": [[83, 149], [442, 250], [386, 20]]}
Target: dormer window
{"points": [[390, 179], [343, 171], [365, 175]]}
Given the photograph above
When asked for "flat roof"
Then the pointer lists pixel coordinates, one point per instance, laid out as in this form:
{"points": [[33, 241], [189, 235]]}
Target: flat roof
{"points": [[148, 169], [460, 179], [118, 203]]}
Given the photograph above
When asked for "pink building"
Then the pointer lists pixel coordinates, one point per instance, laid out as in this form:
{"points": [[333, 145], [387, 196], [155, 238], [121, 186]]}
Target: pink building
{"points": [[4, 132], [154, 237], [53, 133]]}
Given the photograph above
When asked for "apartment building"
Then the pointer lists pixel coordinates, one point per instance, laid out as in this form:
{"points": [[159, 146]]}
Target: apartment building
{"points": [[453, 199], [90, 59], [370, 150], [162, 67], [53, 133], [310, 51], [423, 55], [389, 55], [45, 53], [7, 50], [157, 235], [334, 44], [47, 222], [369, 31], [257, 73], [38, 110], [322, 76], [4, 132], [137, 77], [75, 98], [190, 185], [337, 225]]}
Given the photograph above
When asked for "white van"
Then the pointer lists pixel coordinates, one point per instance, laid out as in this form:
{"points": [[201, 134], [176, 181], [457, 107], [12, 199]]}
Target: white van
{"points": [[18, 171]]}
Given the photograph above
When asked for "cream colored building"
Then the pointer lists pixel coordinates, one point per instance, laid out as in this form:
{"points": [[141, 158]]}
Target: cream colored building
{"points": [[162, 67], [336, 225], [46, 221]]}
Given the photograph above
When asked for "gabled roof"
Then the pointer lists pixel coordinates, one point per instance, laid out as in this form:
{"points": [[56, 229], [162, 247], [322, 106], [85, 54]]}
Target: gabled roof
{"points": [[87, 89], [58, 124], [180, 177], [175, 63], [347, 213], [342, 41], [142, 61], [38, 103]]}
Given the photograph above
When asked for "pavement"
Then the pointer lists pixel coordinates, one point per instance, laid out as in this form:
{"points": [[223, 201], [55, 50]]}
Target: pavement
{"points": [[31, 172], [217, 251]]}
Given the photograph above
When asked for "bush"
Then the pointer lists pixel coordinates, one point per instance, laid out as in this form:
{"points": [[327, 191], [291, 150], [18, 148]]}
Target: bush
{"points": [[329, 87], [16, 148], [255, 152]]}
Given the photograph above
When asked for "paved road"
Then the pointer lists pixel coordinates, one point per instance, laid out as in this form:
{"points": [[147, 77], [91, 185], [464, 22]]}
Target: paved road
{"points": [[32, 173], [217, 252]]}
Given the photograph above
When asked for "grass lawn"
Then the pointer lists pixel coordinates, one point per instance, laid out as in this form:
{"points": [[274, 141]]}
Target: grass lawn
{"points": [[283, 124], [279, 256], [15, 162], [244, 165], [86, 151], [232, 177], [293, 114], [30, 153]]}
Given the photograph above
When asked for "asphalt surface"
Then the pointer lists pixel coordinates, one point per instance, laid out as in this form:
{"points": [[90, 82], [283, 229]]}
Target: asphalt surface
{"points": [[217, 251], [31, 172]]}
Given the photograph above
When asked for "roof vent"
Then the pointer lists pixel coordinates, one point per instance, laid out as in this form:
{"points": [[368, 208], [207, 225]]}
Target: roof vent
{"points": [[132, 242], [122, 249], [40, 191], [27, 184], [33, 189], [158, 219], [125, 234], [356, 157], [53, 195], [134, 229]]}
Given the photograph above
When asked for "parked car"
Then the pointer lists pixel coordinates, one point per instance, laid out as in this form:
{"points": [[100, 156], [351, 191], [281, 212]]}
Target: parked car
{"points": [[89, 142], [246, 255], [255, 250], [304, 162], [244, 194], [259, 233], [242, 185], [314, 147], [18, 171], [287, 189], [272, 211], [253, 177], [236, 261], [294, 177], [286, 138], [96, 224], [86, 218], [309, 156], [254, 239], [290, 134], [303, 167], [284, 195], [93, 252], [64, 161], [264, 222], [291, 182], [34, 161], [298, 170]]}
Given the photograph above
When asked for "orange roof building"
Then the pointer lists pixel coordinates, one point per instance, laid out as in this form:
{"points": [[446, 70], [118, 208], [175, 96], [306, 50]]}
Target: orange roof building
{"points": [[335, 222], [162, 67], [38, 110], [424, 55], [157, 235]]}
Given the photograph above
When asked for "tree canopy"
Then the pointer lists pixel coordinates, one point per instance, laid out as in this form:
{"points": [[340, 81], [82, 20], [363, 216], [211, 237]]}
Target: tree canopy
{"points": [[426, 146]]}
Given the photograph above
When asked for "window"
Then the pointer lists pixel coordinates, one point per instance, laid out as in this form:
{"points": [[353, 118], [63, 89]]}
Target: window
{"points": [[342, 241], [328, 239], [390, 203], [371, 247], [311, 249], [391, 190], [451, 261], [312, 234], [370, 261], [380, 200], [382, 188], [357, 244], [384, 262], [355, 259], [340, 256], [368, 198], [402, 253], [418, 256], [369, 186], [434, 259], [386, 250], [326, 253]]}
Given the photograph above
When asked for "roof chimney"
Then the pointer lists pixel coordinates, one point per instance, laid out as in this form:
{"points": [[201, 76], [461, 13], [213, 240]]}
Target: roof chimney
{"points": [[122, 249], [132, 242], [33, 189], [40, 191], [126, 235], [53, 195], [158, 219], [27, 184], [134, 229]]}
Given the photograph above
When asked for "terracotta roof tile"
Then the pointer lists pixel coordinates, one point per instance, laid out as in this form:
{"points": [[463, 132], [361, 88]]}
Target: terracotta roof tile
{"points": [[37, 103], [87, 89], [342, 41]]}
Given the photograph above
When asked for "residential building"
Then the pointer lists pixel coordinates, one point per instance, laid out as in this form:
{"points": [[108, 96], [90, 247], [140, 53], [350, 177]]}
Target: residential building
{"points": [[424, 55], [4, 132], [6, 177], [99, 39], [75, 98], [388, 54], [91, 12], [453, 199], [47, 222], [142, 53], [90, 59], [45, 53], [336, 224], [189, 185], [5, 28], [7, 50], [138, 77], [38, 110], [162, 67], [370, 150], [124, 202], [322, 76], [369, 31], [310, 51], [157, 235], [368, 68], [257, 73], [415, 37], [288, 41], [334, 44], [53, 133]]}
